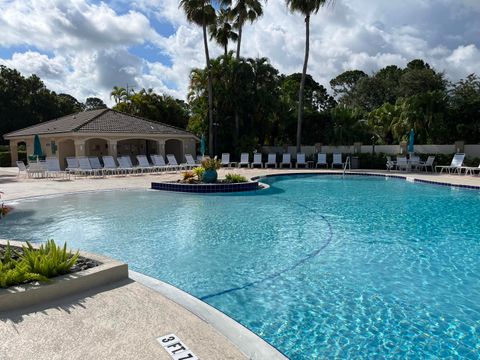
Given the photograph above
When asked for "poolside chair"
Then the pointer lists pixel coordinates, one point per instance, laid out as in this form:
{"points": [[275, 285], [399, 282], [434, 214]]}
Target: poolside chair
{"points": [[271, 160], [95, 164], [144, 164], [321, 160], [53, 168], [471, 169], [337, 160], [172, 161], [84, 167], [402, 163], [109, 165], [159, 162], [137, 169], [257, 160], [390, 163], [226, 160], [125, 165], [427, 164], [455, 165], [414, 162], [22, 169], [301, 160], [191, 161], [244, 160], [72, 165], [286, 160]]}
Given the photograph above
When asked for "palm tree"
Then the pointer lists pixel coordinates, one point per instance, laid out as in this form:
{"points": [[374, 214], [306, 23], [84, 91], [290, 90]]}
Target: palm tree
{"points": [[202, 13], [243, 11], [118, 93], [222, 30], [306, 8]]}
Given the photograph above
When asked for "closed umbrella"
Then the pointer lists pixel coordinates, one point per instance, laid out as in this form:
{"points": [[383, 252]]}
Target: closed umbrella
{"points": [[37, 147], [202, 145], [410, 143]]}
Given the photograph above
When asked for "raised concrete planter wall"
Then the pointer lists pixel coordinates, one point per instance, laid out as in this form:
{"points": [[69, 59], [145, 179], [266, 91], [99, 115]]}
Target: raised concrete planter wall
{"points": [[205, 188], [21, 296]]}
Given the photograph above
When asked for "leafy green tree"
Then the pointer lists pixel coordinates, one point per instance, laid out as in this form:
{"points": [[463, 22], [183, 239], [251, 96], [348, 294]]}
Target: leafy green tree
{"points": [[306, 8], [94, 103], [419, 78], [464, 104], [222, 30], [119, 94], [202, 13], [344, 83]]}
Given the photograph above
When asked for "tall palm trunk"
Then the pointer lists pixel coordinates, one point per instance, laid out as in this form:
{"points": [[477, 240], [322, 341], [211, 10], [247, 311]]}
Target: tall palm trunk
{"points": [[302, 84], [237, 115], [210, 92]]}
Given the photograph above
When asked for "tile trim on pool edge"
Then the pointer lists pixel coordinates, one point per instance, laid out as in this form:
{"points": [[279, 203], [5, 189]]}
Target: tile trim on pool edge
{"points": [[249, 343], [393, 176]]}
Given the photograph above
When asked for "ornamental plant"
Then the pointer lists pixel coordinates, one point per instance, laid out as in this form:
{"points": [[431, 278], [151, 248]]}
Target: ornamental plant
{"points": [[211, 164], [235, 178]]}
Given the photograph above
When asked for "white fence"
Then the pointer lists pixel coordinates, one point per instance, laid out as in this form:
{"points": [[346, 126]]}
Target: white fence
{"points": [[469, 150]]}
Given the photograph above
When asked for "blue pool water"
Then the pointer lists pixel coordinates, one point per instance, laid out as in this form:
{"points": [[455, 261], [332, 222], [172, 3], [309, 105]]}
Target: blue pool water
{"points": [[319, 266]]}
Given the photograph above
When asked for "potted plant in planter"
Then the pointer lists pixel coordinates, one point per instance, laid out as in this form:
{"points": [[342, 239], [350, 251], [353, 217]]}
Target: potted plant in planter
{"points": [[211, 166]]}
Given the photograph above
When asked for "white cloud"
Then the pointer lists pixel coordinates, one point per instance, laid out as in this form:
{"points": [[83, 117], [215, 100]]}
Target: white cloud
{"points": [[84, 48]]}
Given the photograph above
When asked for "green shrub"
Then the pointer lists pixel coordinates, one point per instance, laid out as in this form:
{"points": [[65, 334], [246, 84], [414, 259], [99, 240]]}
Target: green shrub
{"points": [[235, 178], [35, 264], [199, 171]]}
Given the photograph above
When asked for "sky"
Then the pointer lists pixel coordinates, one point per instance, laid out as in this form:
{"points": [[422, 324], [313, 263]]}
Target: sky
{"points": [[84, 47]]}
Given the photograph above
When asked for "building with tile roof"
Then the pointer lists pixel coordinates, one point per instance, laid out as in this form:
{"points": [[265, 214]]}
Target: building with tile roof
{"points": [[103, 132]]}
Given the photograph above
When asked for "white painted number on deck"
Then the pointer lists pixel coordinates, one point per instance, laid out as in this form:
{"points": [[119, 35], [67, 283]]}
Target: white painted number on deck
{"points": [[176, 348]]}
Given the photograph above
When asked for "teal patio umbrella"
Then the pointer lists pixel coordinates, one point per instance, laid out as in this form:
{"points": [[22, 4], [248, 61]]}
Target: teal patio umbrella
{"points": [[410, 143], [37, 146], [202, 145]]}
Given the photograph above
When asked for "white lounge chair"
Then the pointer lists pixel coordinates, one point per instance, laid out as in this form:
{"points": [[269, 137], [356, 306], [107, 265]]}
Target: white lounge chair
{"points": [[95, 164], [390, 163], [471, 169], [321, 160], [455, 165], [414, 162], [301, 160], [337, 160], [286, 160], [125, 165], [257, 160], [226, 160], [427, 164], [22, 169], [159, 162], [191, 161], [271, 160], [53, 168], [72, 166], [85, 168], [402, 163], [172, 161], [144, 164], [109, 165], [244, 157]]}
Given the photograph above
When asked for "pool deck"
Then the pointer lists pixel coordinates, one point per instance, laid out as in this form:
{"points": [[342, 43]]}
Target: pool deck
{"points": [[124, 319]]}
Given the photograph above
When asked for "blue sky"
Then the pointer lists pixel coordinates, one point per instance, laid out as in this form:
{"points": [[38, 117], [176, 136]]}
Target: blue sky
{"points": [[86, 47]]}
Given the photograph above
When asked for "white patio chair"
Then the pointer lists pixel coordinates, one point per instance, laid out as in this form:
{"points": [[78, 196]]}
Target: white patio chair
{"points": [[321, 160], [244, 160], [85, 168], [390, 163], [96, 165], [257, 160], [53, 168], [109, 165], [159, 162], [337, 160], [301, 160], [22, 169], [427, 164], [402, 163], [271, 160], [172, 161], [226, 160], [144, 164], [455, 165], [72, 165], [191, 161], [125, 165], [414, 162], [471, 169], [286, 160]]}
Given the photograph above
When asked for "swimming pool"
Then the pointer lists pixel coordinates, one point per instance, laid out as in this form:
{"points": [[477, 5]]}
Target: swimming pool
{"points": [[319, 266]]}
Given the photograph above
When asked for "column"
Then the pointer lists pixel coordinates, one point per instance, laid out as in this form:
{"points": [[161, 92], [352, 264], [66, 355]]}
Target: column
{"points": [[161, 147], [14, 152], [112, 148], [80, 148]]}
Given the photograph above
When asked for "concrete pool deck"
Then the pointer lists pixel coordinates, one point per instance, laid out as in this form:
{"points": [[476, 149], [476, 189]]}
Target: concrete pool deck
{"points": [[124, 319]]}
